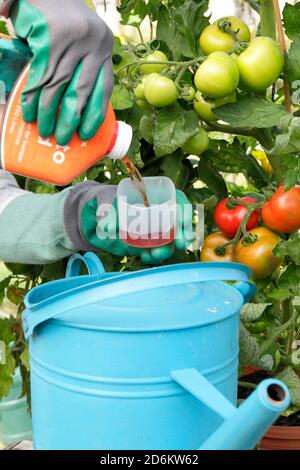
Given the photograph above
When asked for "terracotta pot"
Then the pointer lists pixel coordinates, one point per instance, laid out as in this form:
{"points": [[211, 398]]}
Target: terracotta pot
{"points": [[250, 370], [281, 438]]}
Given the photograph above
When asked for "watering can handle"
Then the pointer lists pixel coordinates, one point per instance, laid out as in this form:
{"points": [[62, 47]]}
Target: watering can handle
{"points": [[89, 260], [138, 281]]}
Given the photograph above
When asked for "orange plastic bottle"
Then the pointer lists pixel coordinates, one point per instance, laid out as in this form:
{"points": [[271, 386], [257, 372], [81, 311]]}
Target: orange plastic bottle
{"points": [[25, 153]]}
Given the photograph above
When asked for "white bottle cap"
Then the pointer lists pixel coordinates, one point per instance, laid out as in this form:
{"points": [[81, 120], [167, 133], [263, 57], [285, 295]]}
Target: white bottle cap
{"points": [[122, 143]]}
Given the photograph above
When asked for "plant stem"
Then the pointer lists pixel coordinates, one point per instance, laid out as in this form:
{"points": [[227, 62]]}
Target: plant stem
{"points": [[187, 64], [267, 19], [253, 5], [287, 101], [247, 385], [151, 30], [140, 34]]}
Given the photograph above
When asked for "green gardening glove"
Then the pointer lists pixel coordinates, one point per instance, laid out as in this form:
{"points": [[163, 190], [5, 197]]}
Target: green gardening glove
{"points": [[71, 65], [102, 231]]}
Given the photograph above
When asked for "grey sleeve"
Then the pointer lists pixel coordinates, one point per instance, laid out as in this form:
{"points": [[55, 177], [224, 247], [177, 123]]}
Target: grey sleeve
{"points": [[5, 6], [32, 227]]}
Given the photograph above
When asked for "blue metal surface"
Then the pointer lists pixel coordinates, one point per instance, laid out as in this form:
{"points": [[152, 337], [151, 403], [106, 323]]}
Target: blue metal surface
{"points": [[123, 361]]}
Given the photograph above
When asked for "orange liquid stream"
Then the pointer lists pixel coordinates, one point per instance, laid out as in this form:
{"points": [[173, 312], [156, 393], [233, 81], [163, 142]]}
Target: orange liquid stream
{"points": [[137, 180]]}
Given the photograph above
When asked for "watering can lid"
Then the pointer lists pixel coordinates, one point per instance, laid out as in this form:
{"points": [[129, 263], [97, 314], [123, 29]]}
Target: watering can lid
{"points": [[168, 297]]}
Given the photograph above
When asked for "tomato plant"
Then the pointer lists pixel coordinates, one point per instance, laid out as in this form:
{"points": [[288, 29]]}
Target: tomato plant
{"points": [[222, 34], [218, 76], [261, 64], [229, 217], [156, 56], [256, 251], [160, 91], [253, 150], [282, 212], [217, 248], [204, 106], [197, 144]]}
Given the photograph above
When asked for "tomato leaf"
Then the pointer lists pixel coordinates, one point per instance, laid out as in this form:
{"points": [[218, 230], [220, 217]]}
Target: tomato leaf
{"points": [[7, 368], [3, 285], [290, 278], [289, 248], [147, 129], [132, 12], [180, 27], [266, 362], [249, 348], [153, 9], [40, 187], [3, 28], [24, 358], [6, 326], [212, 178], [252, 312], [121, 98], [173, 128], [292, 381], [174, 168], [233, 158], [251, 111], [292, 69], [291, 20], [280, 294]]}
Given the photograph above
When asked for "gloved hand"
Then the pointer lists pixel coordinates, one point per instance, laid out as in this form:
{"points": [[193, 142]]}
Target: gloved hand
{"points": [[94, 224], [71, 64]]}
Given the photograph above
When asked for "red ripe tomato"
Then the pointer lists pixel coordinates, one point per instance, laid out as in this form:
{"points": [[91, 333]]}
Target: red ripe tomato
{"points": [[282, 212], [229, 220]]}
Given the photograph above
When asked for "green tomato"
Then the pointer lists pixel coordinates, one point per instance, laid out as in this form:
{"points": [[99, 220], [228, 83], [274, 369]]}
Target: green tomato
{"points": [[139, 89], [218, 76], [214, 39], [204, 107], [191, 94], [160, 91], [143, 104], [261, 64], [197, 144], [156, 56]]}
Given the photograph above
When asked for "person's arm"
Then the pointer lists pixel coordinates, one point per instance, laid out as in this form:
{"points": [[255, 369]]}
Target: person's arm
{"points": [[43, 228], [32, 228]]}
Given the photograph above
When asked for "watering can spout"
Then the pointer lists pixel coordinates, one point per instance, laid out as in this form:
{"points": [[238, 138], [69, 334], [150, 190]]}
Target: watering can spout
{"points": [[248, 423]]}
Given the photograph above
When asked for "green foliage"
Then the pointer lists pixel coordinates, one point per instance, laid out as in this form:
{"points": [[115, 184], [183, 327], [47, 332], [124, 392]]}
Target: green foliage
{"points": [[121, 98], [291, 20], [179, 27], [3, 28], [292, 381], [251, 111], [132, 12], [174, 126], [290, 248], [232, 157]]}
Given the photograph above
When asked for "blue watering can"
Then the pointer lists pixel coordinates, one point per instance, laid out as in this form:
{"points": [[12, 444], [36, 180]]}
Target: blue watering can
{"points": [[143, 360]]}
